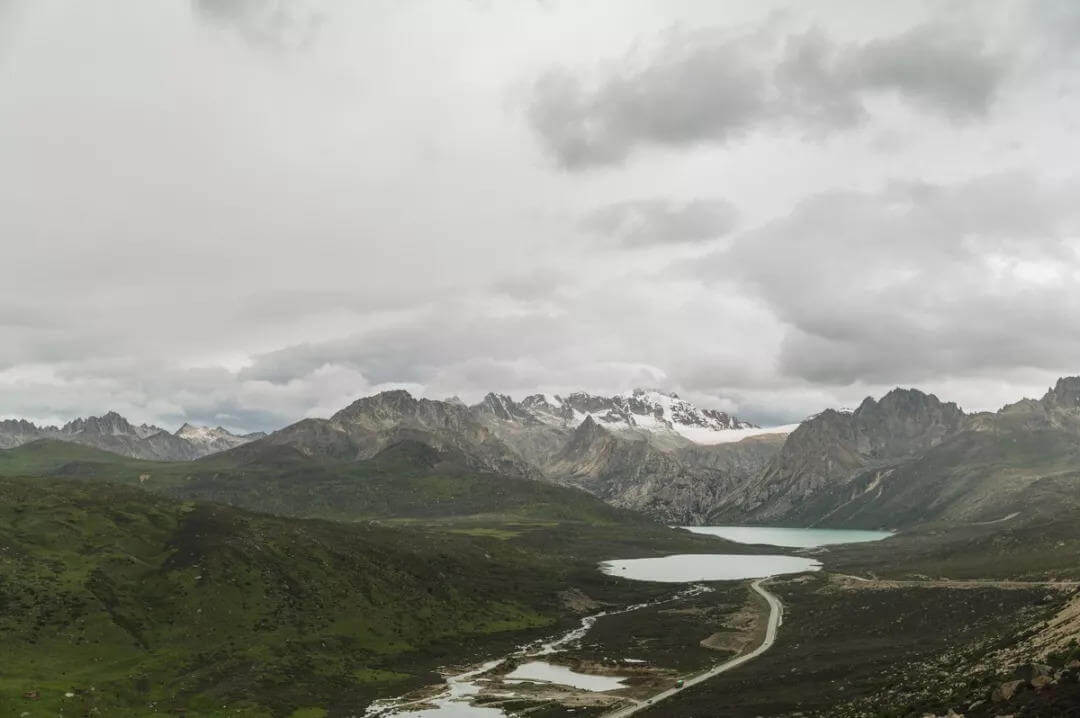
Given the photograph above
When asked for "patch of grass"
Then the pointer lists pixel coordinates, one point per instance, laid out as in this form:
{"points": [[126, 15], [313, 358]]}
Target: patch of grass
{"points": [[668, 635], [308, 713], [502, 534]]}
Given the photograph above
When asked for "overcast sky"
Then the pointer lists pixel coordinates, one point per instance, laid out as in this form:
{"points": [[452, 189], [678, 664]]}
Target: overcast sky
{"points": [[243, 212]]}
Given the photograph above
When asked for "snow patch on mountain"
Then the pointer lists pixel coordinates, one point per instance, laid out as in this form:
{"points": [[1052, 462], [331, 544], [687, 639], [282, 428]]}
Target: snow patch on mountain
{"points": [[712, 437], [640, 410], [212, 440]]}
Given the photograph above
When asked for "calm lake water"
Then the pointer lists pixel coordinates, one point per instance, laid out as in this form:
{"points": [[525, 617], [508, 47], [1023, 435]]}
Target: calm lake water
{"points": [[685, 568], [561, 675], [793, 538]]}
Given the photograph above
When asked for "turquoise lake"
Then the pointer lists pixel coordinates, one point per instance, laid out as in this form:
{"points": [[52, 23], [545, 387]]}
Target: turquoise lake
{"points": [[788, 537]]}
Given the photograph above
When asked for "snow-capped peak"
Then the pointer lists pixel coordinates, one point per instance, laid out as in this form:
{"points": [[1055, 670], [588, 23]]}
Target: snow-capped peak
{"points": [[640, 410], [216, 439]]}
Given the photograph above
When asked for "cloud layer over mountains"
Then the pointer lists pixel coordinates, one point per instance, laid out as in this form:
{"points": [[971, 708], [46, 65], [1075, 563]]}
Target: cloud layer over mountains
{"points": [[246, 211]]}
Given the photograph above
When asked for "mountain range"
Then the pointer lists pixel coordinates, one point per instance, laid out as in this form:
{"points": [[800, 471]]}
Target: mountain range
{"points": [[631, 450], [905, 459], [112, 432]]}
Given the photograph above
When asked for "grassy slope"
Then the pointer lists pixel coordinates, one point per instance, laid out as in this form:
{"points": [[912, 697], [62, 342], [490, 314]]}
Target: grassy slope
{"points": [[1016, 549], [402, 482], [148, 600], [130, 599], [974, 476]]}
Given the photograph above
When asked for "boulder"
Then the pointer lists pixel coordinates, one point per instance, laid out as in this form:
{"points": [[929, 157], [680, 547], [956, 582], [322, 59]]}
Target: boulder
{"points": [[1040, 682], [1007, 690], [1030, 671]]}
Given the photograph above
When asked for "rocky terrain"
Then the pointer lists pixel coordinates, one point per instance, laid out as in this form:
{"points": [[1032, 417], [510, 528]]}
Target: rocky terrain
{"points": [[631, 450], [827, 452], [112, 432], [905, 459], [911, 458], [661, 417]]}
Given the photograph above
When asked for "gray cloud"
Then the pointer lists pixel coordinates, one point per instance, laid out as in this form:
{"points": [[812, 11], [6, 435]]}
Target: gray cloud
{"points": [[704, 88], [711, 86], [935, 66], [919, 280], [276, 24], [639, 223]]}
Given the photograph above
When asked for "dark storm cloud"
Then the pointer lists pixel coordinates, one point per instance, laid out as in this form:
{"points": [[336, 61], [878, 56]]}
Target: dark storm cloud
{"points": [[639, 223], [711, 86], [919, 280]]}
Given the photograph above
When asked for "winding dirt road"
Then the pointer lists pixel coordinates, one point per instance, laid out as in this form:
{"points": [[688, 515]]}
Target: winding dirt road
{"points": [[776, 612]]}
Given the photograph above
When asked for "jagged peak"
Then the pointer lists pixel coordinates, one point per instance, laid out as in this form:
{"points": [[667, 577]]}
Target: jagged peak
{"points": [[590, 428], [1065, 392], [396, 398], [901, 398], [645, 391]]}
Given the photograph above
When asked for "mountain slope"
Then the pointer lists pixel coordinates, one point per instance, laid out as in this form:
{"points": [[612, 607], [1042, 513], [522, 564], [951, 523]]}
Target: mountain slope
{"points": [[207, 440], [644, 450], [634, 474], [911, 459], [371, 424], [664, 419], [409, 479]]}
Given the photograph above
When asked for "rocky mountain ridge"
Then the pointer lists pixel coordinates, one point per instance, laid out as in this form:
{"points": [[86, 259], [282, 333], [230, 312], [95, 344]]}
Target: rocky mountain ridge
{"points": [[631, 450], [664, 416], [904, 459], [911, 458], [112, 432]]}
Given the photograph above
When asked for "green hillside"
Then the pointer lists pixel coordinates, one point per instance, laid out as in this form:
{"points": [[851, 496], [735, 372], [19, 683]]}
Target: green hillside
{"points": [[135, 603], [120, 589], [407, 479]]}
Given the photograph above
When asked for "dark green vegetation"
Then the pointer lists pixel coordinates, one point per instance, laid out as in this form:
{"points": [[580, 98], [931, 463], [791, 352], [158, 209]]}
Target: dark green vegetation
{"points": [[135, 602], [130, 600], [668, 635], [868, 652], [408, 479], [1032, 550]]}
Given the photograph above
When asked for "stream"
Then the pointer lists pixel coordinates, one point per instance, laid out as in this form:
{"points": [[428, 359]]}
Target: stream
{"points": [[455, 701]]}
